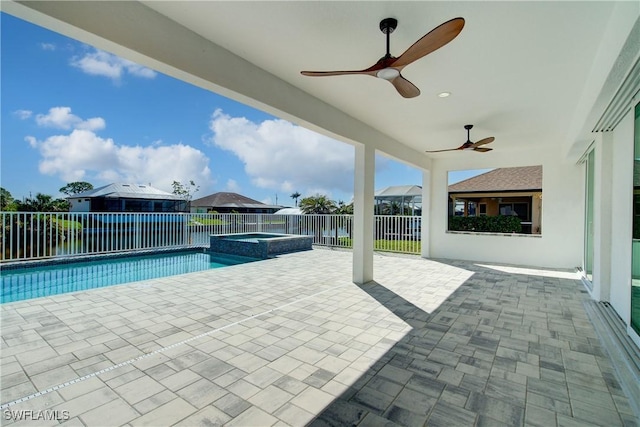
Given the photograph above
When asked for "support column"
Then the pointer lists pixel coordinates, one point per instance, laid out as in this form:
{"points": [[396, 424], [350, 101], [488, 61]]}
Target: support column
{"points": [[602, 217], [425, 227], [363, 205]]}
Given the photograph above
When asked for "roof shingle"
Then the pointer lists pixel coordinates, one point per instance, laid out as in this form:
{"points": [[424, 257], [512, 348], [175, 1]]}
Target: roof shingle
{"points": [[128, 191], [227, 199], [502, 179]]}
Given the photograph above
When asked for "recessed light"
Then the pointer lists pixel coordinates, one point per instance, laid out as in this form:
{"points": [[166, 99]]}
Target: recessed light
{"points": [[444, 94]]}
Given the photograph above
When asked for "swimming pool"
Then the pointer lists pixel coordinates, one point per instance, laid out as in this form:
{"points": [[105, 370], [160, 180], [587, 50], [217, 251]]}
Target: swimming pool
{"points": [[58, 278]]}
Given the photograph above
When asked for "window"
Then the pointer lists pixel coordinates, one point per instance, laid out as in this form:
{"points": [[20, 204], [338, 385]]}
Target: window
{"points": [[502, 200], [521, 210]]}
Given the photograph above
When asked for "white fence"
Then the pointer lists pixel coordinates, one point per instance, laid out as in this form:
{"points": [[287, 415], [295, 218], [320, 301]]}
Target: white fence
{"points": [[34, 235]]}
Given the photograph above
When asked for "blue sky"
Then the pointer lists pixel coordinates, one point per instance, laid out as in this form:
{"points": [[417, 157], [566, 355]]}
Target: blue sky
{"points": [[71, 112]]}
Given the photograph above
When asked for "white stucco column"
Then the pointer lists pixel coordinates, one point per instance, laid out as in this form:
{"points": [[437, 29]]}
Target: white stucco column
{"points": [[426, 214], [602, 217], [363, 202]]}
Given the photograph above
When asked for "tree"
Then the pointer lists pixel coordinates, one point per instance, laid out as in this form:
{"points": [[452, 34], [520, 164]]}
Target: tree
{"points": [[318, 204], [394, 208], [295, 196], [76, 187], [344, 209], [43, 203], [60, 205], [185, 191], [7, 202]]}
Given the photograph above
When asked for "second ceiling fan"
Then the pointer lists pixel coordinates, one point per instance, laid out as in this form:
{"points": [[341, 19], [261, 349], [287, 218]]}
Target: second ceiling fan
{"points": [[475, 146], [389, 67]]}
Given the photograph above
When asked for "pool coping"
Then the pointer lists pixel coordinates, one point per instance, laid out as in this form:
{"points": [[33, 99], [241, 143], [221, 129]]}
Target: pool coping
{"points": [[68, 259]]}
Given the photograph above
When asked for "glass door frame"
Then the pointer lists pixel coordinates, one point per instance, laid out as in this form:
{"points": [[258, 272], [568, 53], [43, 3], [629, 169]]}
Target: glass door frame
{"points": [[588, 214]]}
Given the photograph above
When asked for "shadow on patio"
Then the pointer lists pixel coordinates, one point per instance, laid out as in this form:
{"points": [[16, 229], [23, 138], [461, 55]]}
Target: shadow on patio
{"points": [[506, 348]]}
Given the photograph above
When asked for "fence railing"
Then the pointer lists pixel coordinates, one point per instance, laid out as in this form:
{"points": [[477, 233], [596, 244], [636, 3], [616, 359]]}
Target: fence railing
{"points": [[34, 235]]}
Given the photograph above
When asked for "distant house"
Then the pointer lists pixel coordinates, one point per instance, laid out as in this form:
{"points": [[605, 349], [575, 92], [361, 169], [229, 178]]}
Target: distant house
{"points": [[503, 191], [399, 200], [126, 198], [224, 202]]}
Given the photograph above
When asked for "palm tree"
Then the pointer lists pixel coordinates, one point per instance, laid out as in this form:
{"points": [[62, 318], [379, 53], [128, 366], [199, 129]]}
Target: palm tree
{"points": [[295, 196], [318, 204]]}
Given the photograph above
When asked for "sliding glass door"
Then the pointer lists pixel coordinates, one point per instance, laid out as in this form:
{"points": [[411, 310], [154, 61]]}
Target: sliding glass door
{"points": [[635, 272], [588, 223]]}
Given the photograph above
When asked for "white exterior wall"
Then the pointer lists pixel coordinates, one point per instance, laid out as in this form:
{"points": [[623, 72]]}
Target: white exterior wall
{"points": [[79, 205], [561, 243]]}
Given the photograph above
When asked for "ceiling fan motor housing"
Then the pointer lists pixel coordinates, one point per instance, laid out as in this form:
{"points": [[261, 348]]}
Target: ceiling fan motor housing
{"points": [[387, 25]]}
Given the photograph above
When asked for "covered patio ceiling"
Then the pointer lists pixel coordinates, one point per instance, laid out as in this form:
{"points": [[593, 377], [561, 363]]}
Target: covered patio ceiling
{"points": [[531, 74]]}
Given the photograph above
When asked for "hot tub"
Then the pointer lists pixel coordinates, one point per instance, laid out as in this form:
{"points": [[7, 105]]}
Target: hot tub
{"points": [[259, 245]]}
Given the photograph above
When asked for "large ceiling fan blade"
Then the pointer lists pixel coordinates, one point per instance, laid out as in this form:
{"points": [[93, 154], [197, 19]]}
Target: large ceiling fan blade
{"points": [[388, 67], [405, 87], [440, 151], [433, 40], [482, 149], [337, 73], [483, 142]]}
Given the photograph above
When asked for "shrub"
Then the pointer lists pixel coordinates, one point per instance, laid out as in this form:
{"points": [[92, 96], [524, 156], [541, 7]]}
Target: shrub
{"points": [[486, 224]]}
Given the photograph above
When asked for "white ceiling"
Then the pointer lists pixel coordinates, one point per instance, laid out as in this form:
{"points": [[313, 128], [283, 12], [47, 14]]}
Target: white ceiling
{"points": [[516, 70], [527, 73]]}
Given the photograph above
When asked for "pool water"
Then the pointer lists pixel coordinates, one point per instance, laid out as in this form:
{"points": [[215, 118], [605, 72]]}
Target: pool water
{"points": [[35, 282]]}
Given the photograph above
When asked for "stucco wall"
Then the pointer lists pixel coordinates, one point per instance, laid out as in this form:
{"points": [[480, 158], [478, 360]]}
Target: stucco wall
{"points": [[79, 205], [561, 243]]}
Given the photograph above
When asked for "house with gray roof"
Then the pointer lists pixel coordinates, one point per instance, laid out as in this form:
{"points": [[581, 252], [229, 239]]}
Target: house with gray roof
{"points": [[225, 202], [399, 200], [122, 197], [502, 191]]}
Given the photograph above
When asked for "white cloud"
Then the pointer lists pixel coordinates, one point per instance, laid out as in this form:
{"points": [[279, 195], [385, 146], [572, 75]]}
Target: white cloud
{"points": [[82, 155], [48, 46], [61, 118], [232, 186], [23, 114], [283, 157], [101, 63]]}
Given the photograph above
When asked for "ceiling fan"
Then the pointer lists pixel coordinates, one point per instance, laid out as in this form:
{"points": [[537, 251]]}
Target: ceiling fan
{"points": [[389, 67], [475, 146]]}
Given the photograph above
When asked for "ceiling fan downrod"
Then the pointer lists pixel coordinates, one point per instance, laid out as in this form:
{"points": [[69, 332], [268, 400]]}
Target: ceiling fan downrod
{"points": [[387, 26], [468, 128]]}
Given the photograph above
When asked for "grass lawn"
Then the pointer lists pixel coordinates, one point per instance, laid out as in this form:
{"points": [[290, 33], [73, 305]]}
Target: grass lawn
{"points": [[65, 224], [217, 221], [409, 246], [208, 221]]}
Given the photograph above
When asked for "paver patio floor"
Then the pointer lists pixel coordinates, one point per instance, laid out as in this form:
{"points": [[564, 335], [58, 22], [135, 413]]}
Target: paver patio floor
{"points": [[291, 341]]}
